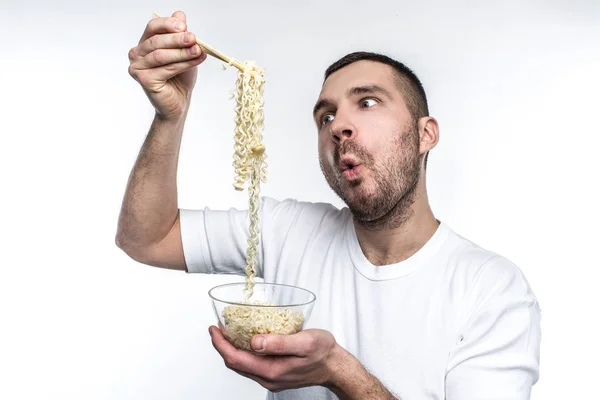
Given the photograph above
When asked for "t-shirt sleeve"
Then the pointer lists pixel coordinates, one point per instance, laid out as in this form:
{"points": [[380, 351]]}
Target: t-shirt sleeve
{"points": [[215, 241], [498, 347]]}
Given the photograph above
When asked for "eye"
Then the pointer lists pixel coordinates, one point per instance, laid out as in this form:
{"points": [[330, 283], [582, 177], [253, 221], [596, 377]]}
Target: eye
{"points": [[327, 118], [368, 103]]}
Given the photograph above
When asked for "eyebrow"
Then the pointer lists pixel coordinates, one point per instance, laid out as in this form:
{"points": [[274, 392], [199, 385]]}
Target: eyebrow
{"points": [[365, 89]]}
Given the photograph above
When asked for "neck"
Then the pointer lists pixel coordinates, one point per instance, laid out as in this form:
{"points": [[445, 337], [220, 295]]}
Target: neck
{"points": [[401, 232]]}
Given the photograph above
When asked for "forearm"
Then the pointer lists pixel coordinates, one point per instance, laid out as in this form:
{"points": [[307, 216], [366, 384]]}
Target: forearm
{"points": [[351, 381], [149, 206]]}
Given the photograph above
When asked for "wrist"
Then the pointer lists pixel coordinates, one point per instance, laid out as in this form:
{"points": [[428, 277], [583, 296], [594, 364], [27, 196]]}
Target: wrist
{"points": [[345, 371], [173, 119], [174, 116], [349, 380]]}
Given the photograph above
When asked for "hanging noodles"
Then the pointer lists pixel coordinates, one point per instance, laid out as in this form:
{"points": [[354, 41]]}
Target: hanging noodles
{"points": [[249, 156]]}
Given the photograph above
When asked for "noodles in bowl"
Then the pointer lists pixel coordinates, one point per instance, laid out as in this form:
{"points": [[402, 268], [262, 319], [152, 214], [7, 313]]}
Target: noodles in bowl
{"points": [[277, 309]]}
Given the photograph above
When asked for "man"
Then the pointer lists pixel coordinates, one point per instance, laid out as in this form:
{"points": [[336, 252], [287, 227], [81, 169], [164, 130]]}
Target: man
{"points": [[408, 309]]}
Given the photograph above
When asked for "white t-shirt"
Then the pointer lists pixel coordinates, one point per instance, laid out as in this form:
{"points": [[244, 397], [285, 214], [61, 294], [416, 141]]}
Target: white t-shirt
{"points": [[454, 321]]}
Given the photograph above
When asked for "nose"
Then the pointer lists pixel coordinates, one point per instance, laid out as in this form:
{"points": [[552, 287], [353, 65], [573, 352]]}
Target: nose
{"points": [[341, 129]]}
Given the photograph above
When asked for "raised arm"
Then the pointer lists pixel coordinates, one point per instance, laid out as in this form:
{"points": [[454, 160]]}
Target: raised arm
{"points": [[165, 64]]}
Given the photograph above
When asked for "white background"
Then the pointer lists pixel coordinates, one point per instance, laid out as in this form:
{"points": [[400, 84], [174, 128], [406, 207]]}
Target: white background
{"points": [[514, 86]]}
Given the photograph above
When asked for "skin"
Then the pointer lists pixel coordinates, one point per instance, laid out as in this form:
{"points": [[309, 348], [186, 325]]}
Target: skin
{"points": [[388, 198], [392, 215]]}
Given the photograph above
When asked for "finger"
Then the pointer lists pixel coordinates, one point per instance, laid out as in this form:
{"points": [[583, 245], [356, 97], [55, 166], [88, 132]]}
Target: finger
{"points": [[165, 41], [300, 344], [180, 15], [267, 384], [148, 77], [161, 25], [163, 57], [239, 360]]}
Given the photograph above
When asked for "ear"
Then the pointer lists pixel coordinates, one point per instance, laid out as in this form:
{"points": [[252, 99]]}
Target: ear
{"points": [[429, 134]]}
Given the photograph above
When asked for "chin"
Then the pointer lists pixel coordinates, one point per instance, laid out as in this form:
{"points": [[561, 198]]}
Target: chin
{"points": [[356, 194]]}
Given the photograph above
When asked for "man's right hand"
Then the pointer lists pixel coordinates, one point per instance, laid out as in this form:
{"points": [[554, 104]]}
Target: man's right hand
{"points": [[165, 64]]}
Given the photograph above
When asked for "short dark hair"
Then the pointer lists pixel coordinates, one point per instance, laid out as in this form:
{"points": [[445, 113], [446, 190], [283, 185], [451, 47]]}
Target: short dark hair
{"points": [[410, 86]]}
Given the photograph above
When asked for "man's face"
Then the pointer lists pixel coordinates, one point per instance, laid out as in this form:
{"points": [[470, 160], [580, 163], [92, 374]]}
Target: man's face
{"points": [[368, 141]]}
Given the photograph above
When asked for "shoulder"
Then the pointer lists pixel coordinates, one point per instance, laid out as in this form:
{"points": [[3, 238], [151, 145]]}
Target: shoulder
{"points": [[484, 276], [297, 210]]}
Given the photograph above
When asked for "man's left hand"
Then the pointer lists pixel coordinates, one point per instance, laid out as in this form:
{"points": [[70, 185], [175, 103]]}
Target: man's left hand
{"points": [[307, 358]]}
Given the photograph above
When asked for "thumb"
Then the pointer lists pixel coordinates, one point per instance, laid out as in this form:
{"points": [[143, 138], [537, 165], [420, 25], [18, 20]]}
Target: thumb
{"points": [[259, 343], [299, 344]]}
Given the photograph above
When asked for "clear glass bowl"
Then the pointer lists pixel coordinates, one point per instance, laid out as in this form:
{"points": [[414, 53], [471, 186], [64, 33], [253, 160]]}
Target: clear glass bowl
{"points": [[273, 308]]}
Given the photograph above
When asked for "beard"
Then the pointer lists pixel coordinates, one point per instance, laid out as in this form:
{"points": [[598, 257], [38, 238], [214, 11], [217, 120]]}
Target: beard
{"points": [[386, 202]]}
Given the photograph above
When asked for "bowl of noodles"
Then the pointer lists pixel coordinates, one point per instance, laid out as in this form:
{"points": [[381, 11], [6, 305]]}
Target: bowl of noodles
{"points": [[271, 308]]}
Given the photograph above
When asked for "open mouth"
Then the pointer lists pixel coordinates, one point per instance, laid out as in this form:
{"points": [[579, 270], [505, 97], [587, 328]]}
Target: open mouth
{"points": [[350, 170], [348, 163]]}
